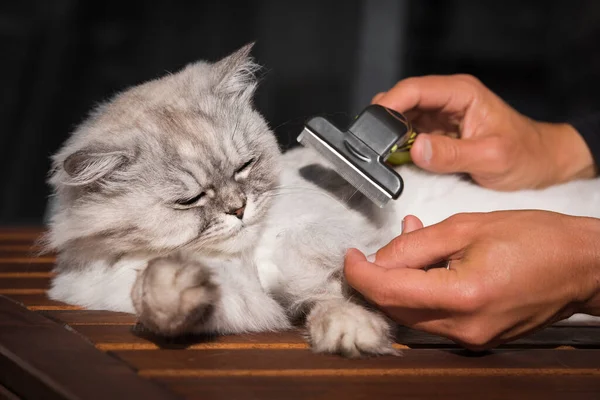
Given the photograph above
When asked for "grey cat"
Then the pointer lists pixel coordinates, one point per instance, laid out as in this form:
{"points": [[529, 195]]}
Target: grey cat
{"points": [[174, 202], [165, 207]]}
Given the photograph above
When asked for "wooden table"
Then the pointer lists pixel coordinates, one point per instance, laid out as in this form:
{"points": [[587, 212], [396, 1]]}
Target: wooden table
{"points": [[50, 350]]}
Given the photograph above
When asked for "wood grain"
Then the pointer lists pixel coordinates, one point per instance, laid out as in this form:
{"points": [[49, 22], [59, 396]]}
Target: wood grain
{"points": [[90, 317], [387, 387], [40, 301], [25, 268], [556, 363], [41, 360], [18, 283], [424, 362]]}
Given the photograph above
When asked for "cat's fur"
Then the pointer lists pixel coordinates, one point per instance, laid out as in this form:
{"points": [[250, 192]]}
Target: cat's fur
{"points": [[125, 244]]}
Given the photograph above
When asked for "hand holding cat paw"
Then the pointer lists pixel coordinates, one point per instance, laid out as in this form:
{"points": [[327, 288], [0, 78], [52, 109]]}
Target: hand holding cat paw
{"points": [[172, 296], [345, 328], [510, 272], [499, 147]]}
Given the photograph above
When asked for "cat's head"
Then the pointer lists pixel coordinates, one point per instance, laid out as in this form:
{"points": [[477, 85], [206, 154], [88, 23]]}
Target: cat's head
{"points": [[181, 161]]}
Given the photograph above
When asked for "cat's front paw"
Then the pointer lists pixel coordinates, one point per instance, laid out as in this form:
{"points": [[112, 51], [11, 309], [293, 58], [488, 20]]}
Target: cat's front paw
{"points": [[172, 295], [351, 330]]}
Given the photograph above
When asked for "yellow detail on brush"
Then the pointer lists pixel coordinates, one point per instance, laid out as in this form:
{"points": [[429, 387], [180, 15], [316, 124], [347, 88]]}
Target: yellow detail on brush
{"points": [[401, 155], [399, 158]]}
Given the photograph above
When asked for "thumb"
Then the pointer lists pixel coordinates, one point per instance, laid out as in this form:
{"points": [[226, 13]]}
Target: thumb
{"points": [[422, 247], [443, 154], [411, 223]]}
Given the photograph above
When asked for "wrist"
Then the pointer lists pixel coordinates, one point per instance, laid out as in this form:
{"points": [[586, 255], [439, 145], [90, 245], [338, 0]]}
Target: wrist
{"points": [[569, 154], [589, 298]]}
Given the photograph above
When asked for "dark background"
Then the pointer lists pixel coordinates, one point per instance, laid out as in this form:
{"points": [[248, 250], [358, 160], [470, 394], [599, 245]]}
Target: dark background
{"points": [[60, 57]]}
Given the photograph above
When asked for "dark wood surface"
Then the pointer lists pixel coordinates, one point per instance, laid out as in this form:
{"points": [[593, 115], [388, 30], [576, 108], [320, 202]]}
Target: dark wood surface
{"points": [[53, 350]]}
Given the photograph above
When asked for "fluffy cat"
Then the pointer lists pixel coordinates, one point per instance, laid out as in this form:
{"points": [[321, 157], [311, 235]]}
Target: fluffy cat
{"points": [[174, 202]]}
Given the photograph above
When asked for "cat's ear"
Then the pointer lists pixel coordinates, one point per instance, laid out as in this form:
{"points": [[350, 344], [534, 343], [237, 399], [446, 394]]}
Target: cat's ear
{"points": [[87, 166], [237, 73]]}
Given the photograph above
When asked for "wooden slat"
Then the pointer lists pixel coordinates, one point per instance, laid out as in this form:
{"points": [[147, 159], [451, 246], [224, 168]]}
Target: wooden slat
{"points": [[18, 283], [21, 234], [21, 252], [90, 317], [42, 360], [40, 301], [14, 267], [273, 374], [25, 275], [22, 248], [422, 362], [388, 387], [114, 337], [28, 260]]}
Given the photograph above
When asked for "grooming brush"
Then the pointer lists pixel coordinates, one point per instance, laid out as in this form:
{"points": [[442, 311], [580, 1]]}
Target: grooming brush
{"points": [[363, 154]]}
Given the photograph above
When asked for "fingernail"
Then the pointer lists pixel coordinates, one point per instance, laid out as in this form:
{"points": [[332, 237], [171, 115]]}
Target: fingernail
{"points": [[427, 151], [372, 257], [402, 226]]}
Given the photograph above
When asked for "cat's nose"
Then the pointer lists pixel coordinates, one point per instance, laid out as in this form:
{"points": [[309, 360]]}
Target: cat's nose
{"points": [[238, 212]]}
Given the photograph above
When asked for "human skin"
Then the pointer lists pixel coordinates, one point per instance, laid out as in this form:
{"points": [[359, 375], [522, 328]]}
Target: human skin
{"points": [[499, 147], [510, 272]]}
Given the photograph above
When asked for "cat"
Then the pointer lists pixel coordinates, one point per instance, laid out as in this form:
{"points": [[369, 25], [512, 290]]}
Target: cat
{"points": [[173, 201]]}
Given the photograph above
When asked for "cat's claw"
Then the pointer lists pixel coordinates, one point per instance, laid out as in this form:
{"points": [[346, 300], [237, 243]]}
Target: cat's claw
{"points": [[172, 295], [345, 328]]}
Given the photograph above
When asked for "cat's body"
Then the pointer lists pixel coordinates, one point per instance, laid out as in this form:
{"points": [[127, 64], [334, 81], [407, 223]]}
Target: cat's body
{"points": [[212, 263]]}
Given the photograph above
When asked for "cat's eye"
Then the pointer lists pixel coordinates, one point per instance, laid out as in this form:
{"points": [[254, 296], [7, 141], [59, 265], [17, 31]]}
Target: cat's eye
{"points": [[245, 166], [190, 201]]}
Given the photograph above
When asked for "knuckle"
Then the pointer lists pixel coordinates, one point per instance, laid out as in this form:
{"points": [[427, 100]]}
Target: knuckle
{"points": [[400, 246], [475, 336], [461, 224], [469, 79], [497, 153], [378, 96], [408, 86], [452, 157], [409, 82], [472, 299]]}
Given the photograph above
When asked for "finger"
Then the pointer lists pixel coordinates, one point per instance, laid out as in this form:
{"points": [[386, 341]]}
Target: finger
{"points": [[401, 288], [442, 154], [432, 122], [427, 301], [451, 94], [377, 97], [422, 247], [411, 223]]}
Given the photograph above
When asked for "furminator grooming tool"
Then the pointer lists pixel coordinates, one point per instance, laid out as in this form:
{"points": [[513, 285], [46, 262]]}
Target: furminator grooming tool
{"points": [[362, 155]]}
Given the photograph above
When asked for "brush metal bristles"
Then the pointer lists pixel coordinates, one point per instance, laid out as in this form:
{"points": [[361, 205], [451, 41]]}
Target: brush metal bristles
{"points": [[346, 169]]}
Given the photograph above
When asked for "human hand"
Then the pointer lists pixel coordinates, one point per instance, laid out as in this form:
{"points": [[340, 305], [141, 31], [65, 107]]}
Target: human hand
{"points": [[500, 148], [510, 273]]}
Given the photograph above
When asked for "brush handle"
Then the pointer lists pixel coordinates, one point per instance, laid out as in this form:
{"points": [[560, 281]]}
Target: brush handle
{"points": [[387, 132]]}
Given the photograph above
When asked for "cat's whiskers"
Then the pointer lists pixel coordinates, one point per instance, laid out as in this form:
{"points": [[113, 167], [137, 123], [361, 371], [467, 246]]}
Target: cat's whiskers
{"points": [[352, 195]]}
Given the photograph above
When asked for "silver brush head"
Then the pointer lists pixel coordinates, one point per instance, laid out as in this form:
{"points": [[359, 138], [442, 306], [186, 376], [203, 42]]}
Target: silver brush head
{"points": [[358, 155], [345, 168]]}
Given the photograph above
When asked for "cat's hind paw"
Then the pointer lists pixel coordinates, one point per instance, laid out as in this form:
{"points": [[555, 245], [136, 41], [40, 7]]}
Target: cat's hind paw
{"points": [[348, 329], [172, 295]]}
